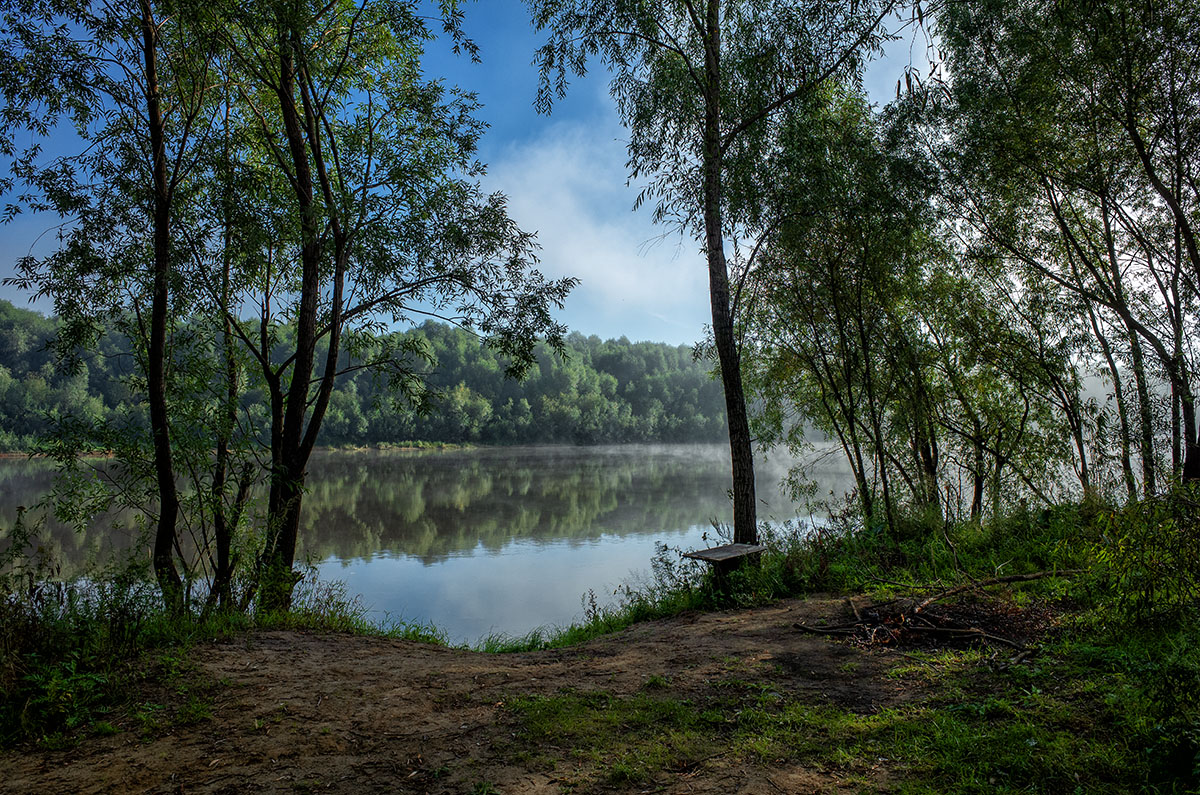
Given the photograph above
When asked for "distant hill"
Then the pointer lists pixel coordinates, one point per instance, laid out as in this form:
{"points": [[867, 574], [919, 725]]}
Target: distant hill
{"points": [[604, 391]]}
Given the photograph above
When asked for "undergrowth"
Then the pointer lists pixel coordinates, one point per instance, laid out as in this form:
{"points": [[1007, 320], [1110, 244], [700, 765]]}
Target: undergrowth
{"points": [[1110, 703], [73, 653]]}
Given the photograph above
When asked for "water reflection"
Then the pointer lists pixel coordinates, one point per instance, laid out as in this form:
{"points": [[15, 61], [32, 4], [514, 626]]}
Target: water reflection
{"points": [[437, 505], [478, 541], [25, 482]]}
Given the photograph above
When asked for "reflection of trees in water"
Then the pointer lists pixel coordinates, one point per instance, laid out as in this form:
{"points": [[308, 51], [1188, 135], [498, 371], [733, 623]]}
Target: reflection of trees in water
{"points": [[433, 506], [26, 482]]}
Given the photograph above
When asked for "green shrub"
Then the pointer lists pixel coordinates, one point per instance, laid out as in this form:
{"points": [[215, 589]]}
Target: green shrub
{"points": [[1148, 557], [1170, 690]]}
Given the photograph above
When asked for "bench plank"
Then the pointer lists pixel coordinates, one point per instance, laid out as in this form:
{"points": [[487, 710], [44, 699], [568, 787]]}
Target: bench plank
{"points": [[725, 553]]}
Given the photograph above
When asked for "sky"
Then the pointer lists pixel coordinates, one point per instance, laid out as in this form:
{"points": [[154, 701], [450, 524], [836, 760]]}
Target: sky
{"points": [[565, 178]]}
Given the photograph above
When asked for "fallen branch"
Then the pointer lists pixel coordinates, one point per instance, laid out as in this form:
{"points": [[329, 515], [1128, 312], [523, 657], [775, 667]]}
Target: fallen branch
{"points": [[1039, 575], [906, 620], [972, 632]]}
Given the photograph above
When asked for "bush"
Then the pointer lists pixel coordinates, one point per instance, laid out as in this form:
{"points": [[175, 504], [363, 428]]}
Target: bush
{"points": [[1148, 557], [63, 645], [1169, 691]]}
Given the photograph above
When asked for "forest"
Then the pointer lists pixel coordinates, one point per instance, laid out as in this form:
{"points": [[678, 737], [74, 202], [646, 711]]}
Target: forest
{"points": [[611, 391], [984, 294]]}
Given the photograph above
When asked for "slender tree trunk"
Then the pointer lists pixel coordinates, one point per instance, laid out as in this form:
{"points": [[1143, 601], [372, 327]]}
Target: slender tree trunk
{"points": [[745, 524], [1191, 456], [169, 581], [226, 518], [978, 476], [925, 443], [1177, 339], [1085, 479], [1145, 413], [998, 477], [1187, 237], [1122, 409], [1146, 438], [847, 431]]}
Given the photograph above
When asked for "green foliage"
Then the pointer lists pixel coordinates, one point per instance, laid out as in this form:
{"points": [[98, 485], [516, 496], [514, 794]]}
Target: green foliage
{"points": [[63, 650], [339, 195], [1149, 556], [603, 391], [72, 652]]}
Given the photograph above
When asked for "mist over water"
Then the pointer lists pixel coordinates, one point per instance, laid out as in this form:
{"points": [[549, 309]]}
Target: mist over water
{"points": [[490, 540]]}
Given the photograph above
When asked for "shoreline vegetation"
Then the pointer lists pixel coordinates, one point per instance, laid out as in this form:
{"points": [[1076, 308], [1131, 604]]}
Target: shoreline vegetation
{"points": [[604, 391], [408, 446], [1082, 671]]}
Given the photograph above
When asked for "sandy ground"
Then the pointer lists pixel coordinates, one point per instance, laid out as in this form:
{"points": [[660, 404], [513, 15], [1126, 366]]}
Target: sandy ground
{"points": [[314, 713]]}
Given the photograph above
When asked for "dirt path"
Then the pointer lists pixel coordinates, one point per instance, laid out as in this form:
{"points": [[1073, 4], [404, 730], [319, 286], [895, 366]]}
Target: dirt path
{"points": [[300, 713]]}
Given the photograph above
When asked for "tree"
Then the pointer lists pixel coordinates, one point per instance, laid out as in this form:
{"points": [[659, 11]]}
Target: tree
{"points": [[1072, 135], [860, 319], [380, 220], [700, 84], [832, 337], [134, 82], [285, 156]]}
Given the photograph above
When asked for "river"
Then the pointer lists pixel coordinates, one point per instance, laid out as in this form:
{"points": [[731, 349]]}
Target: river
{"points": [[482, 541]]}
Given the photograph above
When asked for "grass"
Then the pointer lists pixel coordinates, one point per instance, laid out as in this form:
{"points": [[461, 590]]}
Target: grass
{"points": [[628, 738], [635, 606], [90, 658], [1111, 704], [1061, 726]]}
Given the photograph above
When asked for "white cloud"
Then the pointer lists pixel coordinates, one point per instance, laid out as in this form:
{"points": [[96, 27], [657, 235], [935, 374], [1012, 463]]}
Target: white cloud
{"points": [[568, 184]]}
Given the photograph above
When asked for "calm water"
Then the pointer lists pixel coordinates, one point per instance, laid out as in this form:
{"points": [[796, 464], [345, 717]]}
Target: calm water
{"points": [[483, 541]]}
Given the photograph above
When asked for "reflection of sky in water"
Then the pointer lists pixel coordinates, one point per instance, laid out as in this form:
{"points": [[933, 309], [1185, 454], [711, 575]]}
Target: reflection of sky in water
{"points": [[492, 540], [490, 579], [524, 586]]}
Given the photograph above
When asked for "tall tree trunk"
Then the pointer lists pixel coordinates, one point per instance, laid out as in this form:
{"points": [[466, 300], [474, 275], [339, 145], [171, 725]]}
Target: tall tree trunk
{"points": [[226, 518], [745, 524], [1187, 237], [1145, 413], [1191, 450], [978, 476], [998, 477], [1075, 422], [1177, 340], [1146, 437], [289, 456], [169, 581]]}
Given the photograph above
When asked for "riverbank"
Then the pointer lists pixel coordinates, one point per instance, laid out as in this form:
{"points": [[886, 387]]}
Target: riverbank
{"points": [[732, 701], [1050, 651]]}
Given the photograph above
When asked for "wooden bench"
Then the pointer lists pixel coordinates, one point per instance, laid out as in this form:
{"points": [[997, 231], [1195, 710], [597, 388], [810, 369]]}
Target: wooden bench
{"points": [[725, 559]]}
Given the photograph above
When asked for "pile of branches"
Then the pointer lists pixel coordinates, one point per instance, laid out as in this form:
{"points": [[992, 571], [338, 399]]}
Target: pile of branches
{"points": [[933, 622]]}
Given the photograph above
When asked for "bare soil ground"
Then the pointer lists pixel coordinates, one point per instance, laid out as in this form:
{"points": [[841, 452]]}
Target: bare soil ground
{"points": [[295, 712]]}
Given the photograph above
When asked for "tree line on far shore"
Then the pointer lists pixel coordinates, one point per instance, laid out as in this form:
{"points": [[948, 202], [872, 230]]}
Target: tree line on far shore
{"points": [[604, 391]]}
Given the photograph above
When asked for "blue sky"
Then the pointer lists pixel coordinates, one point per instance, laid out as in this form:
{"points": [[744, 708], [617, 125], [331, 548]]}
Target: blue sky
{"points": [[565, 177]]}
